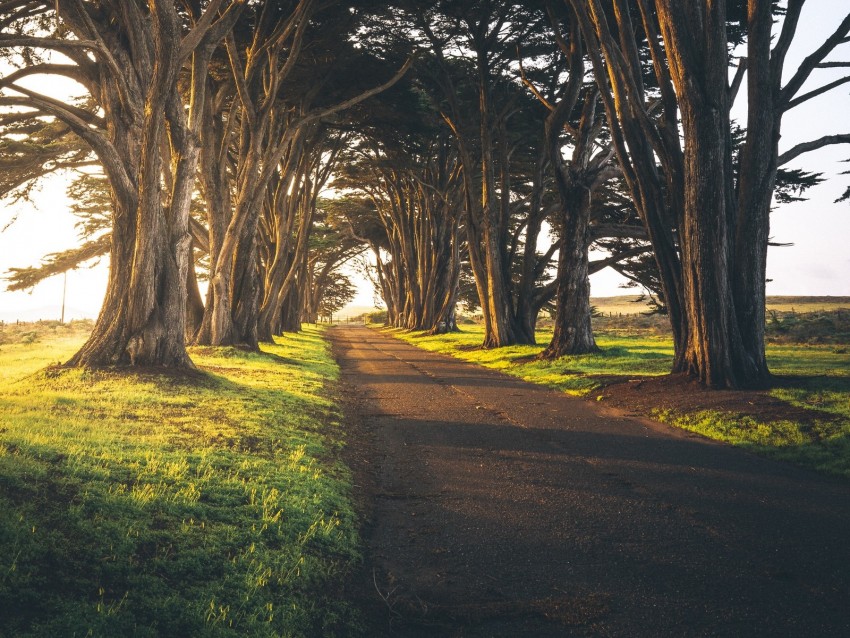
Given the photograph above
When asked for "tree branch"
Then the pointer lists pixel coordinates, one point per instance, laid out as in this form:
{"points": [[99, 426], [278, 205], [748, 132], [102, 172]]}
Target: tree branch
{"points": [[810, 63], [71, 71], [595, 266], [737, 80], [621, 231], [117, 73], [814, 93], [786, 36], [359, 98], [239, 78], [102, 147], [531, 86], [56, 263], [192, 39], [9, 41], [59, 106], [805, 147]]}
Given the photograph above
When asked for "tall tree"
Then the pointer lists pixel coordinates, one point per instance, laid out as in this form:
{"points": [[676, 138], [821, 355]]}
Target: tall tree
{"points": [[503, 159], [571, 122], [708, 220], [411, 176], [276, 100], [128, 56], [288, 224]]}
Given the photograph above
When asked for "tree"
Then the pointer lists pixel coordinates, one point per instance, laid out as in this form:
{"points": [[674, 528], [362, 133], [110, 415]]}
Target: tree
{"points": [[410, 173], [338, 291], [575, 181], [708, 221], [129, 57], [288, 225], [501, 152], [332, 245], [264, 124]]}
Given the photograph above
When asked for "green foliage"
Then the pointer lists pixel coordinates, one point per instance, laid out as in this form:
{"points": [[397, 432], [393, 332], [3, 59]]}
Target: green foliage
{"points": [[32, 149], [208, 504], [828, 326], [378, 317], [92, 207], [792, 183], [336, 294], [56, 263]]}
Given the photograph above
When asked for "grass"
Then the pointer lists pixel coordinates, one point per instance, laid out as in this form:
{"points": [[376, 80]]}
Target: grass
{"points": [[28, 347], [619, 356], [814, 383], [142, 504], [820, 444]]}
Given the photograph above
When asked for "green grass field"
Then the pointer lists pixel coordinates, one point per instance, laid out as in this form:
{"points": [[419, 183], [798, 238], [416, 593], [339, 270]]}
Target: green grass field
{"points": [[141, 504], [815, 380]]}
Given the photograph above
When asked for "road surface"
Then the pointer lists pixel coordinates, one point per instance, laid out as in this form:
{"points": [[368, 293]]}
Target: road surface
{"points": [[494, 507]]}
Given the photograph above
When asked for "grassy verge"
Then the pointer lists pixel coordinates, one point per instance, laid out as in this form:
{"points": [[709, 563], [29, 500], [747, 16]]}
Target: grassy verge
{"points": [[813, 386], [619, 356], [142, 504]]}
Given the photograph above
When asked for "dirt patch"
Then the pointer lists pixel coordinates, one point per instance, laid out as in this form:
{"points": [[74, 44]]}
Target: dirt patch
{"points": [[681, 394]]}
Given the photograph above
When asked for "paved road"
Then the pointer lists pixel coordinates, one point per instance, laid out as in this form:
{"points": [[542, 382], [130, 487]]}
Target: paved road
{"points": [[499, 508]]}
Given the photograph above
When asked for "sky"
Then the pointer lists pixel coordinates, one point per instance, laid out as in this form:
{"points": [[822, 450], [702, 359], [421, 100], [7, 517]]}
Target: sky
{"points": [[818, 262]]}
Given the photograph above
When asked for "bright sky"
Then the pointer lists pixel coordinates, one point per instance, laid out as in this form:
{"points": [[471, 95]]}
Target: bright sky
{"points": [[817, 264]]}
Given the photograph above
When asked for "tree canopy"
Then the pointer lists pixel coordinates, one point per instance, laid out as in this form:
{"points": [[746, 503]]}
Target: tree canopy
{"points": [[477, 149]]}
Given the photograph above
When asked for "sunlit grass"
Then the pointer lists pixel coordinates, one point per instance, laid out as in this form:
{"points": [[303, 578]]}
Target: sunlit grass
{"points": [[812, 377], [822, 444], [806, 304], [158, 505], [618, 355], [28, 347]]}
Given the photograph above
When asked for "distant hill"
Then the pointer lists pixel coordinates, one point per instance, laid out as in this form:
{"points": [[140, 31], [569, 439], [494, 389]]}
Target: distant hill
{"points": [[807, 304], [630, 304]]}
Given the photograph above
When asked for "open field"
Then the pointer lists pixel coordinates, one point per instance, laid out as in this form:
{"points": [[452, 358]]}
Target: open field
{"points": [[28, 347], [805, 418], [143, 504], [631, 304]]}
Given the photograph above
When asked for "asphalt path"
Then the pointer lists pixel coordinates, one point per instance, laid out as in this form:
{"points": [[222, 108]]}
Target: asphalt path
{"points": [[493, 507]]}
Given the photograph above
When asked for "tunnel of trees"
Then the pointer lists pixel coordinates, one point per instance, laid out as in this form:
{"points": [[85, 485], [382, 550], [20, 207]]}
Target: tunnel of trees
{"points": [[463, 149]]}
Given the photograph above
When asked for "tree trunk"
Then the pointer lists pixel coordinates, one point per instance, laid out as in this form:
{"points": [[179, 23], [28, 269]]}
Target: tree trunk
{"points": [[148, 325], [216, 191], [246, 289], [194, 304], [573, 332], [714, 347], [499, 331], [756, 182], [658, 197], [714, 353]]}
